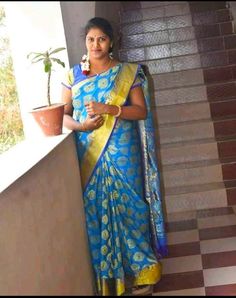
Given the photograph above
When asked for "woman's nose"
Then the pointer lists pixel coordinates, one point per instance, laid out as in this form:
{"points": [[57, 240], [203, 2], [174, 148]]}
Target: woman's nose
{"points": [[96, 43]]}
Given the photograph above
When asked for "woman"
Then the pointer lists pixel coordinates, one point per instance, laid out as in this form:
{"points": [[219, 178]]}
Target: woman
{"points": [[104, 98]]}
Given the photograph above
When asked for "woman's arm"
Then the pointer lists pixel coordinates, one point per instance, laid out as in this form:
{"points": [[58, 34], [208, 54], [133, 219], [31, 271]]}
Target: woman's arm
{"points": [[70, 123], [136, 111]]}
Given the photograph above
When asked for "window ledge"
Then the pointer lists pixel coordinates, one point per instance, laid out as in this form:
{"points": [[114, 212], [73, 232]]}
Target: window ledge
{"points": [[22, 157]]}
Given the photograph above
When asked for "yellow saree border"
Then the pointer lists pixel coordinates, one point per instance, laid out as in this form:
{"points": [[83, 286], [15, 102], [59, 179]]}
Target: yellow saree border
{"points": [[100, 137], [150, 275]]}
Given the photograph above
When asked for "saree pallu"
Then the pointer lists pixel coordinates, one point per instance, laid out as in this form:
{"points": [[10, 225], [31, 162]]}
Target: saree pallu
{"points": [[120, 182]]}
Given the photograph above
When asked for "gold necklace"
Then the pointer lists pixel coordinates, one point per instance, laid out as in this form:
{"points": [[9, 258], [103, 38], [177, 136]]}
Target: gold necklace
{"points": [[108, 66]]}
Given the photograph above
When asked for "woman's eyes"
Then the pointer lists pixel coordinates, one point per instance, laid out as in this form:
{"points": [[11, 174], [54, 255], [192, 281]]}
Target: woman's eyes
{"points": [[101, 39]]}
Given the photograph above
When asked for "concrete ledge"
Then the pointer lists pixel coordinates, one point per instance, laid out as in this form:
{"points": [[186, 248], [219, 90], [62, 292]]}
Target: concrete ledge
{"points": [[19, 159]]}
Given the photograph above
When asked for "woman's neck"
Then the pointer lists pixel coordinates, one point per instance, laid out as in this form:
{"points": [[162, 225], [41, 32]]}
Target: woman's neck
{"points": [[101, 65]]}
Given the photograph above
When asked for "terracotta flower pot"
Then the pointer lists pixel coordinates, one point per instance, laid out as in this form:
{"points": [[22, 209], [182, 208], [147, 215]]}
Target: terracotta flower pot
{"points": [[49, 118]]}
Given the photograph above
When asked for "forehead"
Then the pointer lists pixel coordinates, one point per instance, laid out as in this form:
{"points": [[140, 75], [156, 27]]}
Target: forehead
{"points": [[96, 32]]}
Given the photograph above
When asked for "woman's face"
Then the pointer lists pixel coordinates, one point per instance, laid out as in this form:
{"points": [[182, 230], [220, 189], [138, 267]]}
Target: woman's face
{"points": [[97, 43]]}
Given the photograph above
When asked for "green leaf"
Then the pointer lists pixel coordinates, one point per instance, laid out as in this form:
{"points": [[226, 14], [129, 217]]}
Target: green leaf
{"points": [[35, 61], [58, 61], [36, 55], [57, 50]]}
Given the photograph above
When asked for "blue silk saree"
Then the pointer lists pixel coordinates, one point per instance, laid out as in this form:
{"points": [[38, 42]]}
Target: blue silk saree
{"points": [[120, 180]]}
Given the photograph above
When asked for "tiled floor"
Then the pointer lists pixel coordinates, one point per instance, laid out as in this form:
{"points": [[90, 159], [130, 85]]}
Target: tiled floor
{"points": [[202, 254]]}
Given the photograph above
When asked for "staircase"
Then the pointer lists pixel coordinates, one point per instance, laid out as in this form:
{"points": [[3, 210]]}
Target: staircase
{"points": [[190, 51]]}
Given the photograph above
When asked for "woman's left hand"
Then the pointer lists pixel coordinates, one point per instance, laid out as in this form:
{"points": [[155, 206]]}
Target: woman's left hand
{"points": [[95, 108]]}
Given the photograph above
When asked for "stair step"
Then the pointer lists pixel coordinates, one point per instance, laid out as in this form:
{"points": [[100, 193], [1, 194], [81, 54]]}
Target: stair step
{"points": [[159, 37], [171, 22], [193, 61], [191, 164], [182, 112], [148, 4], [193, 176], [186, 131], [178, 79], [174, 49], [176, 153], [152, 48], [154, 12], [196, 197], [180, 95], [157, 24]]}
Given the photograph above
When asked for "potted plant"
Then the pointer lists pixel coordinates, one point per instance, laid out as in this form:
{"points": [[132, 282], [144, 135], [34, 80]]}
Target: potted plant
{"points": [[50, 116]]}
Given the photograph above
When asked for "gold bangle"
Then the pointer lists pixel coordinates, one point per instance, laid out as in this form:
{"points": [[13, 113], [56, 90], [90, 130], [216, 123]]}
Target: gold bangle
{"points": [[119, 112]]}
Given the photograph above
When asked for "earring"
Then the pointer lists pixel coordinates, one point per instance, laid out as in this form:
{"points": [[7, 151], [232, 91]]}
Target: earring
{"points": [[111, 54], [85, 64]]}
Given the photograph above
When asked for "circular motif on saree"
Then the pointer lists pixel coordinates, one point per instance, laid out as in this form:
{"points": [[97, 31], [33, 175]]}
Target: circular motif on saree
{"points": [[90, 87], [109, 181], [144, 246], [131, 243], [88, 98], [131, 171], [105, 219], [126, 124], [130, 211], [112, 170], [143, 228], [93, 224], [135, 267], [103, 265], [136, 233], [122, 208], [138, 256], [122, 161], [109, 256], [124, 150], [104, 250], [119, 258], [115, 264], [110, 273], [118, 184], [134, 149], [112, 149], [117, 242], [115, 194], [76, 103], [105, 204], [105, 234], [124, 197], [77, 113], [91, 195], [102, 83]]}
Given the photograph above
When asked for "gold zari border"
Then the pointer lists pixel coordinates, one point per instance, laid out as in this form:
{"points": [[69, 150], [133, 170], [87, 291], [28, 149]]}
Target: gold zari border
{"points": [[100, 136], [150, 275]]}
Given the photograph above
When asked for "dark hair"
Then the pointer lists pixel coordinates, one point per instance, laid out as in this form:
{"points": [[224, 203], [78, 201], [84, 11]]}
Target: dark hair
{"points": [[102, 24]]}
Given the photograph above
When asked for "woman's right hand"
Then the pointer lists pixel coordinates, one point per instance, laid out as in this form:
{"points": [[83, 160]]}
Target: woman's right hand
{"points": [[93, 123]]}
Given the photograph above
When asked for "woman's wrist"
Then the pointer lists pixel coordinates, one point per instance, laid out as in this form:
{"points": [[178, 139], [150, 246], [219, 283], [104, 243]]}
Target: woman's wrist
{"points": [[82, 127], [113, 110]]}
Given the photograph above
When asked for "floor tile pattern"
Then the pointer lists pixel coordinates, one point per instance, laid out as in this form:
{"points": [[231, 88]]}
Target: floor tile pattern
{"points": [[202, 254]]}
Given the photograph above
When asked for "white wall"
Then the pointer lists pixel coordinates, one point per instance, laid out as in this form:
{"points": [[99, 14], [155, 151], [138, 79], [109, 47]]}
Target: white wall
{"points": [[35, 26]]}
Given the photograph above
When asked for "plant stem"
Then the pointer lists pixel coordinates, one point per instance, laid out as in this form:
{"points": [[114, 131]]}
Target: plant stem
{"points": [[49, 77]]}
